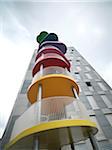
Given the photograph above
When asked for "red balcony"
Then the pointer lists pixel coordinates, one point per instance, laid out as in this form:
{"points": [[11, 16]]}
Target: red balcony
{"points": [[50, 49], [50, 59]]}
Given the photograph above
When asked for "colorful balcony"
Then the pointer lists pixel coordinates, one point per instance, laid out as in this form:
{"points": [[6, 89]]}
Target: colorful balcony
{"points": [[52, 85], [61, 46], [51, 49], [50, 59], [56, 117], [57, 121], [51, 70]]}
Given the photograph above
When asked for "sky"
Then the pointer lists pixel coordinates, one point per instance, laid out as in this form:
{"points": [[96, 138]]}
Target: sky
{"points": [[87, 26]]}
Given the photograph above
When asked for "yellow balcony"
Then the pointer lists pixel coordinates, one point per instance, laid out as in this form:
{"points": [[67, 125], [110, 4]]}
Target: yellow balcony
{"points": [[56, 121], [52, 85]]}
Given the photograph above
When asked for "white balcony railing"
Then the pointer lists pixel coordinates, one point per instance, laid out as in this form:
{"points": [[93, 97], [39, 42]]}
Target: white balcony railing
{"points": [[50, 109], [51, 70]]}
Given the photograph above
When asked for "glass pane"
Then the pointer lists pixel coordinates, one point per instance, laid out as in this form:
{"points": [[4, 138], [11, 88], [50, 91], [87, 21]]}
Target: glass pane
{"points": [[106, 101], [92, 102], [87, 68], [91, 88], [77, 76], [100, 134], [102, 86], [88, 76], [51, 70], [78, 68], [109, 118]]}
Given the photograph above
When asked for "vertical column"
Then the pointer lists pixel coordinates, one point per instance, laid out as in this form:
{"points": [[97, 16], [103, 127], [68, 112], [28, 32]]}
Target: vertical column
{"points": [[39, 97], [71, 139], [93, 141], [41, 70], [36, 143]]}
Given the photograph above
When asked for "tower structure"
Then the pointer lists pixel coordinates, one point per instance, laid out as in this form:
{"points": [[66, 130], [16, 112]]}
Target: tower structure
{"points": [[55, 117]]}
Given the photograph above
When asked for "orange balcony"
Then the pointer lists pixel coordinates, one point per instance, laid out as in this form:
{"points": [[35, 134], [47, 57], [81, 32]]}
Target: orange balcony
{"points": [[52, 85]]}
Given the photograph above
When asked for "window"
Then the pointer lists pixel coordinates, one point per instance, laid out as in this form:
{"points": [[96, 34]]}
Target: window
{"points": [[106, 101], [78, 58], [89, 86], [97, 75], [100, 134], [92, 102], [87, 68], [109, 118], [88, 83], [111, 91], [71, 52], [76, 72], [25, 86], [77, 75], [78, 68], [102, 86], [88, 76], [78, 62]]}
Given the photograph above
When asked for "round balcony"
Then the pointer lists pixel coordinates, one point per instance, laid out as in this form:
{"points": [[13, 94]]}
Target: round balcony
{"points": [[61, 46], [56, 121], [50, 70], [52, 85], [50, 59], [51, 49]]}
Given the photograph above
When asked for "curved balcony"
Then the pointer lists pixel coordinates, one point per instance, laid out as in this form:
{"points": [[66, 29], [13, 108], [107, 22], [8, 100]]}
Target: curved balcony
{"points": [[48, 47], [51, 49], [51, 70], [52, 119], [61, 46], [50, 59], [52, 85]]}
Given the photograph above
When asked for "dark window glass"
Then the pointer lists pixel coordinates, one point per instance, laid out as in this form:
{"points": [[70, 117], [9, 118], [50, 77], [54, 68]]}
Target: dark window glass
{"points": [[76, 72], [88, 83]]}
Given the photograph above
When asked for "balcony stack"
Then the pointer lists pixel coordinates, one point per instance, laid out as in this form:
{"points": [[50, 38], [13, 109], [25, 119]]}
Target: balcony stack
{"points": [[56, 116]]}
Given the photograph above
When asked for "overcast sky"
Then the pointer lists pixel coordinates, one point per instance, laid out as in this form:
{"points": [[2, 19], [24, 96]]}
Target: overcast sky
{"points": [[85, 26]]}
